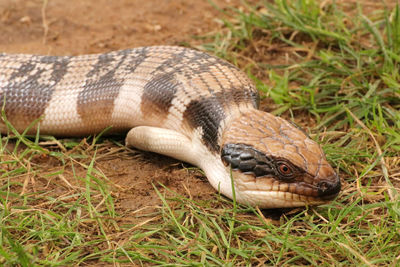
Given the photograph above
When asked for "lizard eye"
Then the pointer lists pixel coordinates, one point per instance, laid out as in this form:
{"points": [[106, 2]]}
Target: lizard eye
{"points": [[285, 170]]}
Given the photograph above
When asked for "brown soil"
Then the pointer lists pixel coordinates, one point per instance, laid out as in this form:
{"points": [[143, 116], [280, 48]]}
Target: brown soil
{"points": [[82, 27]]}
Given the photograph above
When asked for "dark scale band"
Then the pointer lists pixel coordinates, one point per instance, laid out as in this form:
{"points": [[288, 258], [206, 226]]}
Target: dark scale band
{"points": [[251, 161]]}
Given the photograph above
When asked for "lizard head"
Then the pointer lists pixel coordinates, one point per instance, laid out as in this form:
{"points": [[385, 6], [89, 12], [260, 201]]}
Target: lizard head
{"points": [[275, 164]]}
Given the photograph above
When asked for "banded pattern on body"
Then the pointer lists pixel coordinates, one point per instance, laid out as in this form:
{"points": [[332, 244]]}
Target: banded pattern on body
{"points": [[192, 104]]}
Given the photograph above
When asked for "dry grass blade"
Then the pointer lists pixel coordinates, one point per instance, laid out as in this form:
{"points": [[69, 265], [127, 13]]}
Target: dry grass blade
{"points": [[393, 194]]}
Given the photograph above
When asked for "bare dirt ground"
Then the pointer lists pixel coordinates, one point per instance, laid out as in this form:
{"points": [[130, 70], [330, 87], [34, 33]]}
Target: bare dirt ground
{"points": [[81, 27]]}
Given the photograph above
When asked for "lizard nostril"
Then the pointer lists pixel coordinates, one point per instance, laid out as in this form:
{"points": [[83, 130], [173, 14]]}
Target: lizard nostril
{"points": [[328, 189]]}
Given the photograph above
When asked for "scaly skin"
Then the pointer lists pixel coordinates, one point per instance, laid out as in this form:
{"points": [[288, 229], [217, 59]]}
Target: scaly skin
{"points": [[271, 157], [178, 102]]}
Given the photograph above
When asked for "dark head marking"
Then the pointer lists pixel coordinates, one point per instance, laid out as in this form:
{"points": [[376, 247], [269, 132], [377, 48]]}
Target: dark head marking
{"points": [[251, 161]]}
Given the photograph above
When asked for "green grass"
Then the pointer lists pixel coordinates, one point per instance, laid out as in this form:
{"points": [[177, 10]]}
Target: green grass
{"points": [[332, 68]]}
